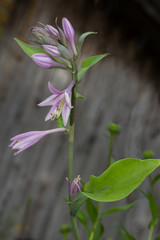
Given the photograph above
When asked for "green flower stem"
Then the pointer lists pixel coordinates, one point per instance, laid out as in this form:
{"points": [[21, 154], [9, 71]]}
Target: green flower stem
{"points": [[96, 222], [110, 149], [71, 145], [100, 203], [150, 233]]}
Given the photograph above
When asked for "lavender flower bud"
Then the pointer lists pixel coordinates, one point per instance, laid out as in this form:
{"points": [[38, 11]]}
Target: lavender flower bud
{"points": [[45, 61], [69, 33], [43, 36], [52, 50], [53, 31]]}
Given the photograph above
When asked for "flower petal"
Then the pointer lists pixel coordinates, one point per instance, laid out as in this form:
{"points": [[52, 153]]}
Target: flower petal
{"points": [[53, 90], [50, 113], [67, 100], [65, 114], [48, 101]]}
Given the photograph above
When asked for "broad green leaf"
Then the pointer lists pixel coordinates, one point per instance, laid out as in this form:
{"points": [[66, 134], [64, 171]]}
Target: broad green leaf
{"points": [[89, 62], [81, 216], [157, 238], [155, 179], [79, 96], [92, 210], [118, 209], [29, 49], [99, 231], [81, 40], [77, 203], [119, 180]]}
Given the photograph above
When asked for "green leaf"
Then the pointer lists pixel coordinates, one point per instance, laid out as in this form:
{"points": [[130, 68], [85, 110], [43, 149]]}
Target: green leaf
{"points": [[79, 96], [60, 122], [81, 40], [99, 231], [81, 216], [157, 238], [155, 179], [29, 49], [89, 62], [118, 209], [154, 210], [125, 235], [119, 180], [92, 210], [77, 203]]}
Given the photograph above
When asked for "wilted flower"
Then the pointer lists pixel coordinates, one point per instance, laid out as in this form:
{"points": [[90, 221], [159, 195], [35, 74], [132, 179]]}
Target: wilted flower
{"points": [[45, 61], [60, 102], [69, 33], [26, 140], [75, 187]]}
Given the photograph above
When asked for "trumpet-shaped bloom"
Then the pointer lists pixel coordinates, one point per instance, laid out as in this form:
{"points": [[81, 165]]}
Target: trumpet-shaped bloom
{"points": [[69, 33], [45, 61], [75, 187], [60, 102], [26, 140]]}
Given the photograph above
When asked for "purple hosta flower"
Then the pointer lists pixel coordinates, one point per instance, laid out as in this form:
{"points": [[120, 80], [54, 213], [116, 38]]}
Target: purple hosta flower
{"points": [[45, 61], [60, 102], [26, 140], [75, 187], [43, 36], [52, 50], [69, 33]]}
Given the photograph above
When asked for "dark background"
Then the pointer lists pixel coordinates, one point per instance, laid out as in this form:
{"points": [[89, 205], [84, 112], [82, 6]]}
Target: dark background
{"points": [[123, 88]]}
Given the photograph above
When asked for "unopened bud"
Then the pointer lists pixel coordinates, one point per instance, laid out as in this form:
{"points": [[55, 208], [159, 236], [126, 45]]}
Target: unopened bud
{"points": [[69, 33], [52, 50], [45, 61]]}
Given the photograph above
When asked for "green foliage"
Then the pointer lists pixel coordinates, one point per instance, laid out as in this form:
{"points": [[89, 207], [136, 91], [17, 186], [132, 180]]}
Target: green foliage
{"points": [[98, 231], [77, 203], [60, 122], [125, 235], [29, 49], [81, 40], [89, 62], [92, 210], [119, 180], [155, 179], [79, 96], [81, 216], [118, 209]]}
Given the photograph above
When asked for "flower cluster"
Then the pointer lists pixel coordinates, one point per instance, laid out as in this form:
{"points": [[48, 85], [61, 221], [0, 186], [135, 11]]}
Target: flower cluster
{"points": [[58, 44], [58, 51]]}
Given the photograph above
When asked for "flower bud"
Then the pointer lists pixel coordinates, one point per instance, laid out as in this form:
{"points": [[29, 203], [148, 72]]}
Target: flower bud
{"points": [[45, 61], [75, 187], [114, 128], [148, 155], [43, 36], [52, 50], [69, 33], [53, 31]]}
